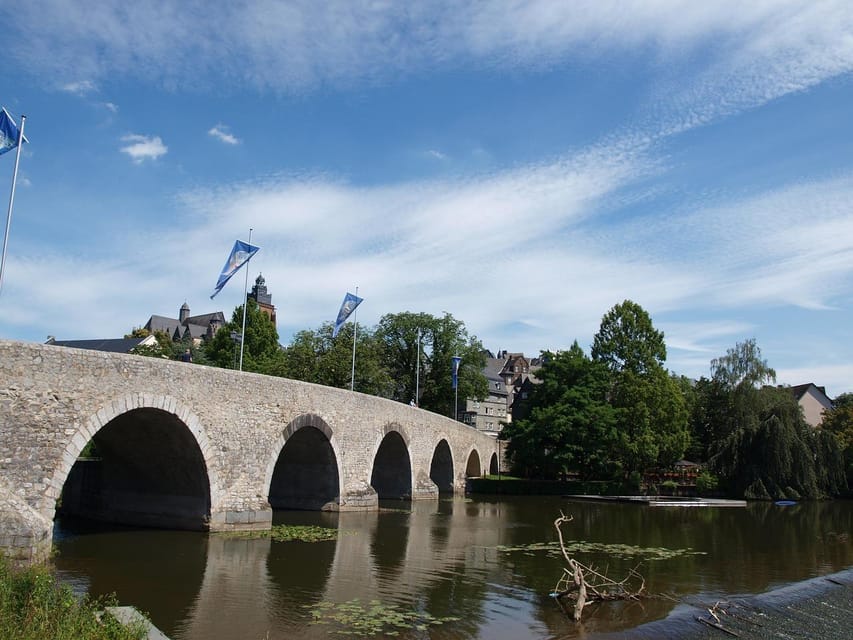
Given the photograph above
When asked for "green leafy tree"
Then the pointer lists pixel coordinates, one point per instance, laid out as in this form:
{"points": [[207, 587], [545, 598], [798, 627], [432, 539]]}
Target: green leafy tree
{"points": [[401, 336], [777, 455], [838, 421], [759, 444], [742, 368], [650, 406], [652, 420], [571, 425], [441, 339], [315, 356], [627, 340], [164, 347], [261, 350]]}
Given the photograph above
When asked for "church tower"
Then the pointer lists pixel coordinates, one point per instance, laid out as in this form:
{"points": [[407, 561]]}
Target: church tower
{"points": [[259, 294]]}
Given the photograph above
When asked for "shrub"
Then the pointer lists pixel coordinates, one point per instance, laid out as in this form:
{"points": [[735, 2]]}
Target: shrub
{"points": [[34, 606], [707, 483], [669, 487]]}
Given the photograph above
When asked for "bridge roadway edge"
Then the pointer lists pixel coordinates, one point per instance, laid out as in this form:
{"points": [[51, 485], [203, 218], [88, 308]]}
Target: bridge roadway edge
{"points": [[53, 400]]}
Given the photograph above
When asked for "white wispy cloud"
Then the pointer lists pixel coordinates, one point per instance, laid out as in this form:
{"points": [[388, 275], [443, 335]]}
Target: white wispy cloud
{"points": [[792, 245], [80, 87], [222, 133], [766, 48], [835, 377], [141, 148], [111, 107]]}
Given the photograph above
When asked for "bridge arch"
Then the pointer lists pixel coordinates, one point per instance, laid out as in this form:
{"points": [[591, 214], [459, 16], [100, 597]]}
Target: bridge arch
{"points": [[303, 471], [391, 475], [155, 466], [494, 465], [441, 467], [473, 469]]}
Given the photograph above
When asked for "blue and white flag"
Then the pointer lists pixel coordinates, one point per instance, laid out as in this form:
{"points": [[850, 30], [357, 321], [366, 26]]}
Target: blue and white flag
{"points": [[9, 132], [456, 360], [240, 255], [349, 304]]}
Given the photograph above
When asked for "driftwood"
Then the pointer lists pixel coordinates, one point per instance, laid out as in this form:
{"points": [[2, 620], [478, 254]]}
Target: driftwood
{"points": [[585, 584]]}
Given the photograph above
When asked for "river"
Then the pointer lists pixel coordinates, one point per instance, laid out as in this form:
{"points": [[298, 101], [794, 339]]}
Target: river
{"points": [[476, 567]]}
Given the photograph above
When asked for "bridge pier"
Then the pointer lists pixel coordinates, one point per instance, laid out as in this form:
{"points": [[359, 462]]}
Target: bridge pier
{"points": [[25, 536], [424, 488], [241, 520], [359, 496]]}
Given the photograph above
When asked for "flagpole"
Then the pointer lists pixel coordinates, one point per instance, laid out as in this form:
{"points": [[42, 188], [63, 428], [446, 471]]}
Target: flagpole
{"points": [[418, 372], [456, 404], [354, 334], [455, 360], [12, 199], [245, 304]]}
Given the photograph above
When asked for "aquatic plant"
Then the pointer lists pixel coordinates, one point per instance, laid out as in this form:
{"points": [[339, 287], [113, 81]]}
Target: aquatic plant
{"points": [[353, 618], [611, 550], [290, 533]]}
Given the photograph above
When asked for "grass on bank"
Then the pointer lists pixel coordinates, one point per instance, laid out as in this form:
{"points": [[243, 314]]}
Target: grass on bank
{"points": [[35, 606]]}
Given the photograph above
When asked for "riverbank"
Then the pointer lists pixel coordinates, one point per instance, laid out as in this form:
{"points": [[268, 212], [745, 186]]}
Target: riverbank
{"points": [[817, 608]]}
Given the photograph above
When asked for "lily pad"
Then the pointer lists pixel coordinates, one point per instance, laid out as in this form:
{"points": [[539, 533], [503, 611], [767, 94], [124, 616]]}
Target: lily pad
{"points": [[290, 533], [600, 548], [353, 618]]}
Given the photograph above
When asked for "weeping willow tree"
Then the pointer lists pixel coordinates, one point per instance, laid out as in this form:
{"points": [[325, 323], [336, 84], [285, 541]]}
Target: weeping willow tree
{"points": [[838, 422], [766, 449]]}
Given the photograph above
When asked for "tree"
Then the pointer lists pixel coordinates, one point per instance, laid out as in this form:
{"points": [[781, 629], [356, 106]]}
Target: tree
{"points": [[777, 455], [627, 341], [650, 407], [571, 425], [401, 335], [728, 400], [261, 350], [707, 414], [838, 421], [315, 356], [757, 440], [164, 347], [441, 339], [742, 368]]}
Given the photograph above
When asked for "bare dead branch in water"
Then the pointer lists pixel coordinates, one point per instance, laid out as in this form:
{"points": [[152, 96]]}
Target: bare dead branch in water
{"points": [[585, 584]]}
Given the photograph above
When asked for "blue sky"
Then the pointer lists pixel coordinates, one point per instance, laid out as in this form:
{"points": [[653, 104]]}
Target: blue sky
{"points": [[522, 165]]}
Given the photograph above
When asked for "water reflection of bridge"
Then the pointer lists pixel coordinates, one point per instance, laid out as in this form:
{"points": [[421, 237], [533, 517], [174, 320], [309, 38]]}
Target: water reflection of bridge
{"points": [[248, 585]]}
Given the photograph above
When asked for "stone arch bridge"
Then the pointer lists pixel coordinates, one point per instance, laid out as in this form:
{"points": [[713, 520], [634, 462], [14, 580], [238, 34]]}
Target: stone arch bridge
{"points": [[187, 446]]}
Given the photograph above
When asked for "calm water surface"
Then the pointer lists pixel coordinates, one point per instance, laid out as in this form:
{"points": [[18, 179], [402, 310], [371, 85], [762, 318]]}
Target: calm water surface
{"points": [[466, 558]]}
